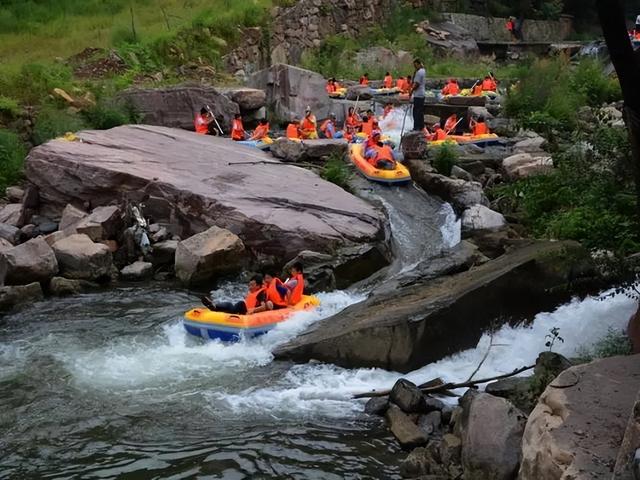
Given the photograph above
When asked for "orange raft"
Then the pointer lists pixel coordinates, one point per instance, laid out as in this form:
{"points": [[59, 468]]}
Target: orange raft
{"points": [[398, 175], [228, 327]]}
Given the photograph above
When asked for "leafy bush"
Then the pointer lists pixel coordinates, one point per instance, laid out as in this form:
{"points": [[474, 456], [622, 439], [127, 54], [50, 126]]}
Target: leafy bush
{"points": [[445, 157], [336, 171], [9, 107], [103, 117], [53, 123], [614, 343], [589, 79], [12, 153]]}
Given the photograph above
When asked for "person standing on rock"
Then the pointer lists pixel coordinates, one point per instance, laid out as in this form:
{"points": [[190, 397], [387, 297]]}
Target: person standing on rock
{"points": [[254, 302], [237, 129], [418, 92]]}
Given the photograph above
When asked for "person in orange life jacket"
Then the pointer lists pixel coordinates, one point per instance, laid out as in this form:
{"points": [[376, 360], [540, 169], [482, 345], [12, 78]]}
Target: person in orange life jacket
{"points": [[400, 84], [479, 126], [203, 122], [331, 86], [380, 155], [451, 88], [293, 129], [295, 284], [489, 84], [308, 125], [438, 133], [328, 127], [388, 81], [511, 27], [364, 79], [237, 129], [254, 302], [276, 292], [476, 90], [388, 108], [261, 131], [369, 124], [451, 123], [352, 121]]}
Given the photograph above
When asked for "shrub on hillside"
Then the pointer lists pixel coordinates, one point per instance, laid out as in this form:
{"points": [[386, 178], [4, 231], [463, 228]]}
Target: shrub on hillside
{"points": [[53, 123], [336, 171], [445, 158], [12, 153], [104, 117]]}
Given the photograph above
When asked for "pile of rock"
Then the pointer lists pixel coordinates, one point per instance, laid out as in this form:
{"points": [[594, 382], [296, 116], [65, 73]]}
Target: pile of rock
{"points": [[479, 438]]}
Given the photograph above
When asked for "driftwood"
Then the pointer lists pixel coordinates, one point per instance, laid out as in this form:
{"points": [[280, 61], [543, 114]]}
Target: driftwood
{"points": [[436, 386]]}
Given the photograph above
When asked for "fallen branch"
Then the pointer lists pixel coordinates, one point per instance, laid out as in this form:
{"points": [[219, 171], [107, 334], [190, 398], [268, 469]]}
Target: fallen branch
{"points": [[486, 354], [282, 164], [444, 387]]}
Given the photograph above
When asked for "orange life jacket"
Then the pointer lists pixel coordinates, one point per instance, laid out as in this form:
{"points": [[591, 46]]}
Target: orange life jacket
{"points": [[510, 26], [451, 88], [400, 84], [331, 88], [201, 125], [439, 134], [260, 132], [388, 81], [324, 128], [477, 90], [367, 127], [298, 290], [308, 125], [364, 81], [489, 85], [450, 124], [352, 122], [383, 152], [480, 128], [292, 131], [251, 300], [273, 295], [237, 130]]}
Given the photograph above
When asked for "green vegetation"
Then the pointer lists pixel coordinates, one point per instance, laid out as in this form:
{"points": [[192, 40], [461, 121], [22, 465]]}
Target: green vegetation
{"points": [[12, 153], [445, 157], [614, 343], [336, 171]]}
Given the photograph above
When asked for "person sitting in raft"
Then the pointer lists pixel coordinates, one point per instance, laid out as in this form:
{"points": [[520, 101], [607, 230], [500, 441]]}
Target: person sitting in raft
{"points": [[438, 134], [331, 86], [328, 127], [479, 126], [295, 284], [237, 129], [476, 90], [364, 80], [369, 124], [489, 84], [388, 108], [380, 155], [309, 126], [293, 129], [276, 292], [203, 122], [388, 81], [400, 84], [254, 302], [451, 123], [451, 88], [261, 131]]}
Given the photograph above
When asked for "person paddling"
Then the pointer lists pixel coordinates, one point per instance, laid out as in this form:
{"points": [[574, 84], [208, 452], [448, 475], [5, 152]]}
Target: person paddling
{"points": [[254, 302], [364, 80], [203, 122], [380, 155], [276, 292], [261, 131], [479, 126]]}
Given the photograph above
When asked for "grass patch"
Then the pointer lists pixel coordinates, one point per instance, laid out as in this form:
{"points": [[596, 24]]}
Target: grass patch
{"points": [[336, 171], [53, 123], [444, 158], [12, 154]]}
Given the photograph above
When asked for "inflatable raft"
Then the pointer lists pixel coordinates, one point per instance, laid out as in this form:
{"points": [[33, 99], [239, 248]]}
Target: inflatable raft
{"points": [[385, 91], [264, 144], [228, 327], [486, 140], [399, 175], [340, 93]]}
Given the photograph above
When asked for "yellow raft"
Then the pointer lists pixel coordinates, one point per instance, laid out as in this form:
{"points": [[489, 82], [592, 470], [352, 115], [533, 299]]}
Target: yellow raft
{"points": [[228, 327], [486, 139], [398, 175]]}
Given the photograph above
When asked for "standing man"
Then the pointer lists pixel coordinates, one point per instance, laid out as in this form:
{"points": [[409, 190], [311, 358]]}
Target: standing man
{"points": [[417, 89]]}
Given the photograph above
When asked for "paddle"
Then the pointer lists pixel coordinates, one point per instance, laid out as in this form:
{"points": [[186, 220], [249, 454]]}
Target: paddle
{"points": [[215, 120], [452, 129]]}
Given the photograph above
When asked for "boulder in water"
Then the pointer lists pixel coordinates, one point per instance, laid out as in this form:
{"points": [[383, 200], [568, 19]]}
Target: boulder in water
{"points": [[407, 433], [82, 259], [33, 261], [137, 271], [204, 256], [407, 396], [61, 286], [16, 295], [492, 433], [276, 210], [164, 253], [177, 106]]}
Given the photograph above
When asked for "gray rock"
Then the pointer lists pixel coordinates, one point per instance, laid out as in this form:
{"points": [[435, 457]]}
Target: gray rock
{"points": [[491, 439], [359, 93], [551, 364], [462, 174], [61, 286], [308, 151], [82, 259], [515, 389], [450, 449], [479, 217], [9, 233], [137, 271], [420, 463], [177, 106], [14, 194], [456, 41], [33, 261], [204, 256], [407, 433], [103, 223], [430, 423], [384, 58], [248, 99], [164, 253], [414, 146], [28, 231], [160, 236], [523, 165], [11, 214], [534, 144], [45, 228], [71, 216], [407, 396], [17, 295], [377, 406], [433, 404]]}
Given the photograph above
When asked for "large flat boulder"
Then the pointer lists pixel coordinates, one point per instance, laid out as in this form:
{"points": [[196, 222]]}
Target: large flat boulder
{"points": [[30, 262], [577, 427], [404, 328], [291, 89], [276, 210], [177, 106], [308, 150], [248, 99]]}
